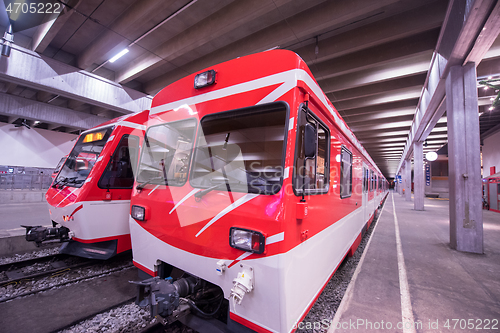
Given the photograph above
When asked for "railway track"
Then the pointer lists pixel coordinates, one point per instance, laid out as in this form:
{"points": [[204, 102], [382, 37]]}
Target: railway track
{"points": [[63, 299], [23, 278], [38, 267]]}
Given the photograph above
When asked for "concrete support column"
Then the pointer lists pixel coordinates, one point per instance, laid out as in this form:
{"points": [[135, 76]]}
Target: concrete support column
{"points": [[418, 175], [408, 180], [464, 164], [403, 179]]}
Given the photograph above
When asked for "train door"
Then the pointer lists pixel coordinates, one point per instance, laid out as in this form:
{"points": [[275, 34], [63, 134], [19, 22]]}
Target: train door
{"points": [[364, 200], [119, 173], [494, 195]]}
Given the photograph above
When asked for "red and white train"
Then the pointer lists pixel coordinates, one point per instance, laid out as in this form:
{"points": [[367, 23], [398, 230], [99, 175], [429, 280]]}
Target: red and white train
{"points": [[89, 199], [250, 192]]}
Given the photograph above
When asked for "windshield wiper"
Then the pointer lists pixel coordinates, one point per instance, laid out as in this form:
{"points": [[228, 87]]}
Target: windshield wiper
{"points": [[201, 193], [64, 180], [149, 181], [73, 180]]}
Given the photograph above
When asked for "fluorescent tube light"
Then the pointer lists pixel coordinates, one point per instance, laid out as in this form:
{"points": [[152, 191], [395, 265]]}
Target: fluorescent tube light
{"points": [[118, 56]]}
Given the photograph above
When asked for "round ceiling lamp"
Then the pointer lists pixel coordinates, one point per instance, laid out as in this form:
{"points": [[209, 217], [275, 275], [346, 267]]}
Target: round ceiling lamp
{"points": [[431, 156]]}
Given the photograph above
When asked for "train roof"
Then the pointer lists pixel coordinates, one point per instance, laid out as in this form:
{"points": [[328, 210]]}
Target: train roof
{"points": [[137, 119], [282, 69]]}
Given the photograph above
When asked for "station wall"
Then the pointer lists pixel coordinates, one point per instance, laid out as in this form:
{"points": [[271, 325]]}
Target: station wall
{"points": [[20, 146], [491, 153]]}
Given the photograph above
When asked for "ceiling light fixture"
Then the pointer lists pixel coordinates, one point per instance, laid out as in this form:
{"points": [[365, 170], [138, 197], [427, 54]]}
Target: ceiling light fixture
{"points": [[23, 123], [118, 56], [431, 156], [8, 39], [192, 2]]}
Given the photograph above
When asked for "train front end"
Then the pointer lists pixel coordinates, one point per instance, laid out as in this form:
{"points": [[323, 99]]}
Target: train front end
{"points": [[89, 199], [207, 208]]}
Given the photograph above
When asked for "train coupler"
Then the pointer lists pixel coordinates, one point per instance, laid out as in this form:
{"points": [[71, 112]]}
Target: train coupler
{"points": [[164, 297], [45, 235]]}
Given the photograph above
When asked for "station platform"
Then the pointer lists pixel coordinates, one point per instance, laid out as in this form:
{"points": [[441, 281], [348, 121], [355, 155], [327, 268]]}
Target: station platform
{"points": [[425, 286], [12, 216]]}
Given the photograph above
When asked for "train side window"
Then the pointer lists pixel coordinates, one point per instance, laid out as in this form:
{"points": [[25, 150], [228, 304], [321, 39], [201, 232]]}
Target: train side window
{"points": [[345, 173], [365, 180], [371, 181], [312, 173], [118, 173]]}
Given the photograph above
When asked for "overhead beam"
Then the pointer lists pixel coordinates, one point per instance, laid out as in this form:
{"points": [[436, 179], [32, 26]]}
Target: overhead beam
{"points": [[236, 17], [385, 122], [305, 24], [488, 67], [376, 141], [400, 26], [385, 126], [383, 145], [402, 94], [393, 106], [378, 88], [380, 54], [13, 106], [382, 133], [45, 32], [28, 68], [408, 66], [128, 23], [381, 116]]}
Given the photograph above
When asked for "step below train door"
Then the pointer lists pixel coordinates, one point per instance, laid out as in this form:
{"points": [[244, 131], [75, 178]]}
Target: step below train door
{"points": [[364, 200]]}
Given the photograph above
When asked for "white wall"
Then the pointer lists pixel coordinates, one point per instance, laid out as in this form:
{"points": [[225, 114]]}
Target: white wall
{"points": [[20, 146], [491, 153]]}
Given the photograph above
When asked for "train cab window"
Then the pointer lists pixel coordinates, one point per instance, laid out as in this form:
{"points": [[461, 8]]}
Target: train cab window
{"points": [[166, 153], [118, 173], [345, 173], [311, 173], [242, 150], [82, 158]]}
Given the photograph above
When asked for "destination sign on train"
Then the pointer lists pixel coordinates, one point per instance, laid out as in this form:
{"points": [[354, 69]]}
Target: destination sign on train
{"points": [[96, 136]]}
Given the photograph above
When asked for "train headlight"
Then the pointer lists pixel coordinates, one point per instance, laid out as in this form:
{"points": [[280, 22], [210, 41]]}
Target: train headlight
{"points": [[138, 213], [247, 240], [204, 79]]}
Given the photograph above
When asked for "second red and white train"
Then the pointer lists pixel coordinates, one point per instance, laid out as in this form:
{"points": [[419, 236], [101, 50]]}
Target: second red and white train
{"points": [[89, 199]]}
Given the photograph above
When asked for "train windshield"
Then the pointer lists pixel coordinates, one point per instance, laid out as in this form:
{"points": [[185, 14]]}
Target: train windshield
{"points": [[242, 150], [167, 153], [82, 158]]}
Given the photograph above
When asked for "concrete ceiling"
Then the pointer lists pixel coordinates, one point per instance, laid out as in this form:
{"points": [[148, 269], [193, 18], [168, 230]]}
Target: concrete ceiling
{"points": [[371, 58]]}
